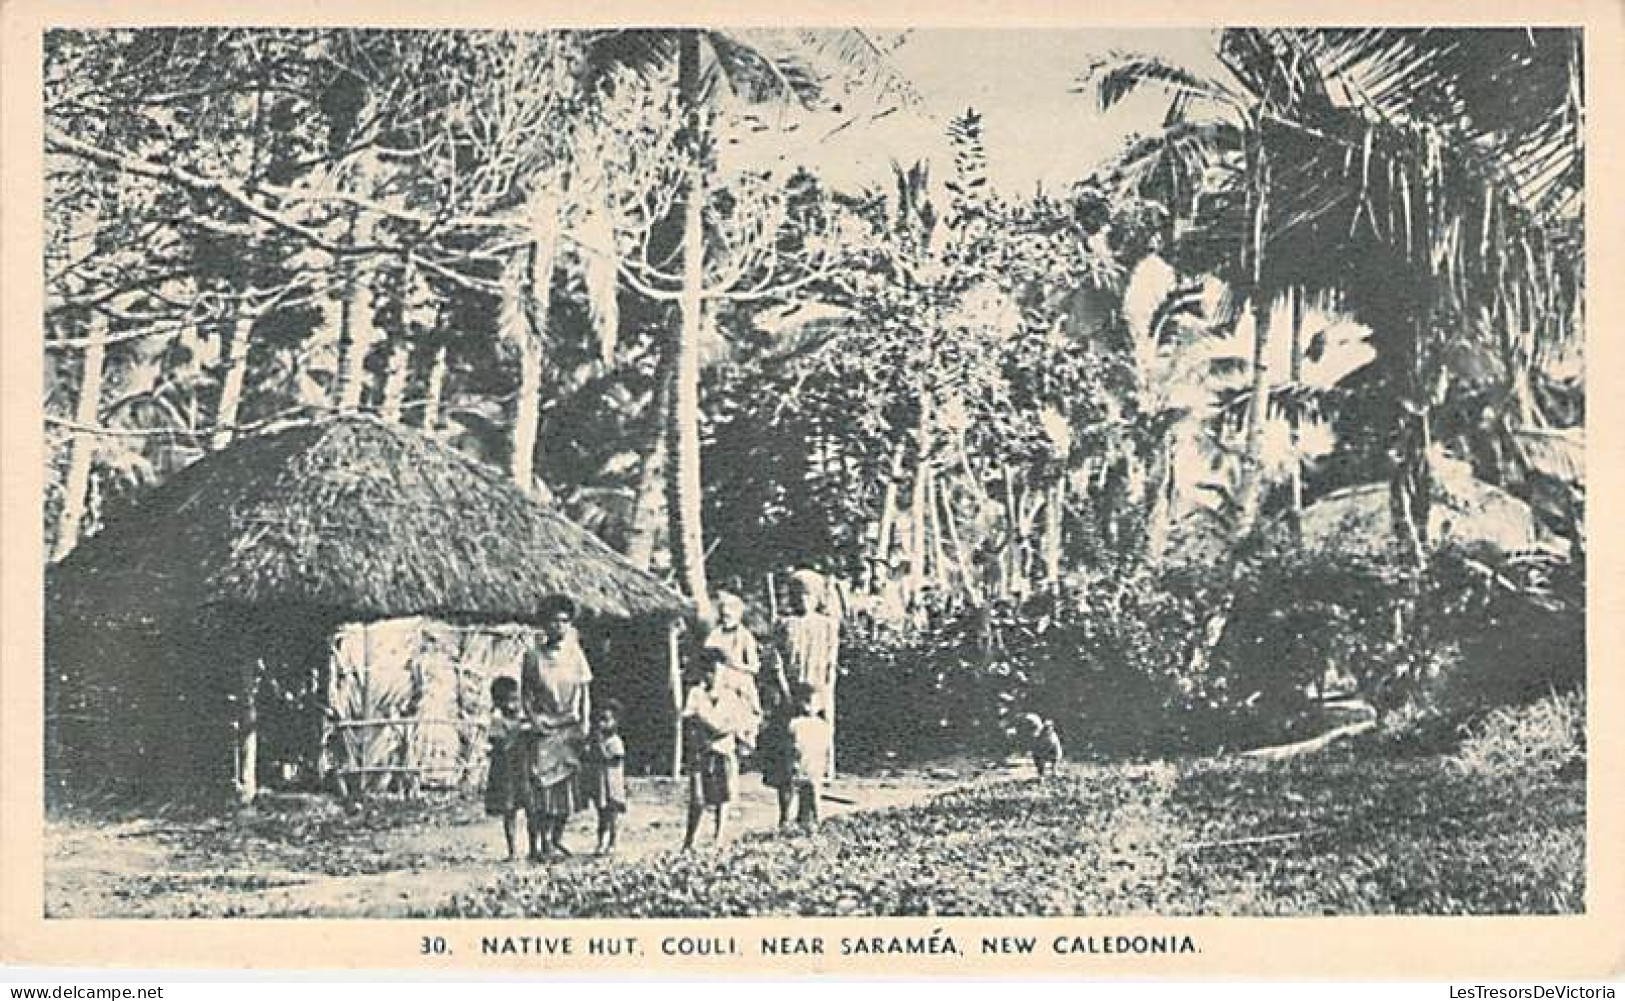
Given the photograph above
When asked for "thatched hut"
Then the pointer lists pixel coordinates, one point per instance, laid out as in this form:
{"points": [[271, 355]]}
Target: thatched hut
{"points": [[214, 629], [1466, 514], [1356, 523]]}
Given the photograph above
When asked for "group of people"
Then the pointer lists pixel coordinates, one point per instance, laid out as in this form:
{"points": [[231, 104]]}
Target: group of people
{"points": [[552, 751]]}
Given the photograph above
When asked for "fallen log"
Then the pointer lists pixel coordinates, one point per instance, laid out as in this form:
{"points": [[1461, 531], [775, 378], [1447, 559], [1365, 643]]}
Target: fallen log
{"points": [[1262, 839], [1280, 752]]}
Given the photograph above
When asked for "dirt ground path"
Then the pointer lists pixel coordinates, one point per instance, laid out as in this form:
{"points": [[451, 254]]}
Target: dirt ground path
{"points": [[212, 868]]}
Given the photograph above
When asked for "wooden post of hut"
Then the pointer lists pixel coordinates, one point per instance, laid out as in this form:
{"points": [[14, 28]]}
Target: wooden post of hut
{"points": [[833, 673], [835, 610], [674, 660]]}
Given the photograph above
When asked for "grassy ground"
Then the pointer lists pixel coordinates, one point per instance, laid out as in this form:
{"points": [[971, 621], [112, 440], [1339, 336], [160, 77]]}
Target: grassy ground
{"points": [[1332, 835], [312, 857], [1495, 827]]}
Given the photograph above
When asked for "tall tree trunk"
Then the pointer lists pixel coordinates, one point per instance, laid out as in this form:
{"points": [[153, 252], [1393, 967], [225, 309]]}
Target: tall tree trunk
{"points": [[357, 331], [888, 507], [1252, 480], [967, 565], [1054, 529], [231, 387], [434, 391], [1252, 470], [1032, 501], [394, 391], [536, 304], [527, 410], [649, 506], [82, 445], [1294, 419], [939, 559], [1251, 491], [1410, 497], [1252, 486], [687, 533], [1411, 489], [917, 501], [87, 408]]}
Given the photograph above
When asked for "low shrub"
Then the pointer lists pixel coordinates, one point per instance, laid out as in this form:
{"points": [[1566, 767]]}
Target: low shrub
{"points": [[1105, 661], [1542, 737], [1110, 657]]}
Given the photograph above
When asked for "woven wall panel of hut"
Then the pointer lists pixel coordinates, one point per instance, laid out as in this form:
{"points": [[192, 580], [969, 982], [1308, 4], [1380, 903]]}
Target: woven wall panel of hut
{"points": [[408, 701]]}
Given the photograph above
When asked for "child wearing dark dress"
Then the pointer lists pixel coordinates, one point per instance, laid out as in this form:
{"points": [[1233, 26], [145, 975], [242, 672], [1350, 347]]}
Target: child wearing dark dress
{"points": [[1044, 744], [606, 772], [506, 786]]}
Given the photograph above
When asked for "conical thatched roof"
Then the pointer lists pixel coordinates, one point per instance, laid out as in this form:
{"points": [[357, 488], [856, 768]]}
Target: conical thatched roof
{"points": [[362, 519], [1356, 522]]}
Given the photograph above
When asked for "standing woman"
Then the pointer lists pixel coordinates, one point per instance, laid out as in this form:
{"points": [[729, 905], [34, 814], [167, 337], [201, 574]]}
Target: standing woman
{"points": [[554, 685], [806, 644], [805, 650]]}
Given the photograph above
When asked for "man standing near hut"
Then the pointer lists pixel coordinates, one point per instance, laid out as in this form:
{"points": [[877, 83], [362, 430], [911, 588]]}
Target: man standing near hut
{"points": [[554, 685]]}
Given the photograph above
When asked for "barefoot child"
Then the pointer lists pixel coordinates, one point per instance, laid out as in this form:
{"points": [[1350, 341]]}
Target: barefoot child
{"points": [[712, 717], [807, 758], [505, 784], [1044, 743], [606, 772]]}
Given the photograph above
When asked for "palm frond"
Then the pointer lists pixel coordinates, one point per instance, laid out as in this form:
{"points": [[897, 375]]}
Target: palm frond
{"points": [[1515, 93], [1559, 455], [1275, 69], [759, 76], [642, 53], [1119, 74], [858, 55]]}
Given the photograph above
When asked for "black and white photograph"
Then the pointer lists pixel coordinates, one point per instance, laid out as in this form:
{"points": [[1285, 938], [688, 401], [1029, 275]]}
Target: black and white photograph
{"points": [[811, 472]]}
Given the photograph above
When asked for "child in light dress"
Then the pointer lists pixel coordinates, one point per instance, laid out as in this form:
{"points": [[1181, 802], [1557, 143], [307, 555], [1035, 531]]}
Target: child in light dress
{"points": [[806, 758]]}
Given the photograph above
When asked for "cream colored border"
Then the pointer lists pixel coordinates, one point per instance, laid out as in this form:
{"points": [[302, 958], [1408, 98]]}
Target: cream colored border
{"points": [[1465, 950]]}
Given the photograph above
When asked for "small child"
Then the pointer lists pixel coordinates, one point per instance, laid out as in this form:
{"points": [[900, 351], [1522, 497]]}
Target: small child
{"points": [[505, 784], [711, 715], [1045, 745], [807, 758], [606, 772]]}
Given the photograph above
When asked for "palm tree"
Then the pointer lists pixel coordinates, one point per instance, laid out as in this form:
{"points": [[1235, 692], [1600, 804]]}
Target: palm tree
{"points": [[1350, 169], [708, 62], [1477, 136], [1225, 126]]}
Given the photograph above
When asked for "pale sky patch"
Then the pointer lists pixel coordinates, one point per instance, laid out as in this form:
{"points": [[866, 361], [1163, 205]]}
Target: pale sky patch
{"points": [[1036, 129]]}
